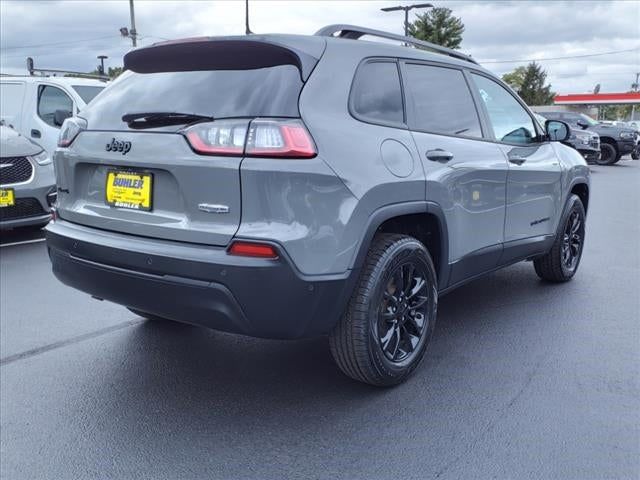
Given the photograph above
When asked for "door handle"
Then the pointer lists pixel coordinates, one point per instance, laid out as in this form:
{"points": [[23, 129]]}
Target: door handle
{"points": [[439, 155], [517, 160], [35, 133]]}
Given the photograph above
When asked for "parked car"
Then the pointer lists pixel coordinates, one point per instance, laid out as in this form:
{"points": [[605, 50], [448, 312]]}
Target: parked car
{"points": [[287, 186], [587, 143], [37, 105], [615, 141], [27, 182], [635, 125]]}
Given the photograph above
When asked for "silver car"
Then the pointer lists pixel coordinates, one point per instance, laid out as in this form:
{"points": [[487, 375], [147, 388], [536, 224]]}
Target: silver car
{"points": [[287, 186], [27, 182]]}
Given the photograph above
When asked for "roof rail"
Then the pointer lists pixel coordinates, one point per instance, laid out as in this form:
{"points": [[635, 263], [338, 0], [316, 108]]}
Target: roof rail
{"points": [[354, 32], [67, 73]]}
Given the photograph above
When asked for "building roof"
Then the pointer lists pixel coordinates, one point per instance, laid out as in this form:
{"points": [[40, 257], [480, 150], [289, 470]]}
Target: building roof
{"points": [[597, 98]]}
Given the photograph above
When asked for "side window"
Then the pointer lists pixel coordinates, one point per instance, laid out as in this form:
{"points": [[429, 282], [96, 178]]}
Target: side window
{"points": [[51, 99], [441, 101], [376, 93], [511, 122]]}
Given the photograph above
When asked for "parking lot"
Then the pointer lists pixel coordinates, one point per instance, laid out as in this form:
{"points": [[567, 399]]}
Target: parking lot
{"points": [[522, 380]]}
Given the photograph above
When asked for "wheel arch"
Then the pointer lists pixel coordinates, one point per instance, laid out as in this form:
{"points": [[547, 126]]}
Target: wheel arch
{"points": [[581, 189], [422, 220]]}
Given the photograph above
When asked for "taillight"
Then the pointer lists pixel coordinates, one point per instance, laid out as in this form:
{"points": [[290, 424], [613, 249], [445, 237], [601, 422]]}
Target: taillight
{"points": [[279, 138], [223, 137], [258, 138], [70, 129], [250, 249]]}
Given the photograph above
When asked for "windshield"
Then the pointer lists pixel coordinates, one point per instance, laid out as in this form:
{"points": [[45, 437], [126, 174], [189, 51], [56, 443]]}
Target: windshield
{"points": [[87, 93], [262, 92]]}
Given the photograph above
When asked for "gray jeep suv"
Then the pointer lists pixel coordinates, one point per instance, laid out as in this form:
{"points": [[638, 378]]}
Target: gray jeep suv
{"points": [[286, 186]]}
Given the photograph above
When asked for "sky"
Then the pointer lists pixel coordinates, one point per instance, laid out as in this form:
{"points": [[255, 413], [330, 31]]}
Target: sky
{"points": [[70, 34]]}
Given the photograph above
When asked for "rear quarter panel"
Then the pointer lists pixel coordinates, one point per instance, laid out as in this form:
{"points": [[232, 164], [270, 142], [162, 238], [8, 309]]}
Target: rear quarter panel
{"points": [[350, 174]]}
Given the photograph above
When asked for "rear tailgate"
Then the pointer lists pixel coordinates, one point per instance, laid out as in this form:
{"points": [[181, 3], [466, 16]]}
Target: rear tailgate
{"points": [[183, 185], [193, 197]]}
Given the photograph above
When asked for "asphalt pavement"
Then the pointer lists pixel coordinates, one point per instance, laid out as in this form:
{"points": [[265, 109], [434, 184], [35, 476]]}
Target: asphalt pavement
{"points": [[523, 379]]}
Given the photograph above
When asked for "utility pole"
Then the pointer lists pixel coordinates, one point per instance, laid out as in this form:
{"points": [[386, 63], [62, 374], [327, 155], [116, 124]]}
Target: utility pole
{"points": [[247, 30], [132, 33], [634, 86], [406, 12]]}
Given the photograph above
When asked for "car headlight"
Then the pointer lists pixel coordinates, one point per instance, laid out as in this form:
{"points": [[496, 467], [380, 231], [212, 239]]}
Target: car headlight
{"points": [[583, 138], [42, 158], [628, 135], [70, 129]]}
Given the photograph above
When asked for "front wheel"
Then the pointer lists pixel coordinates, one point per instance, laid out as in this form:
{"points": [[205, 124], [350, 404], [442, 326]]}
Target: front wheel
{"points": [[382, 336], [561, 262]]}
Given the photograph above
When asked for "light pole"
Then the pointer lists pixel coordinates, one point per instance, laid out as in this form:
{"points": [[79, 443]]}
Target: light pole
{"points": [[247, 30], [406, 12], [101, 66]]}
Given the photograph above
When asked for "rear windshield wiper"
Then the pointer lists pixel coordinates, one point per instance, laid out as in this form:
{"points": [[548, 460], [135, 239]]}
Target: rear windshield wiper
{"points": [[162, 119]]}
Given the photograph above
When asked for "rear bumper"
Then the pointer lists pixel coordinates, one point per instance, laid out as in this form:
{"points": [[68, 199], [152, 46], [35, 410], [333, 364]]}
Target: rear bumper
{"points": [[197, 284]]}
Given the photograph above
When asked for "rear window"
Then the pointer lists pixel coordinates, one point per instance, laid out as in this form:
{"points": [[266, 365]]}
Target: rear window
{"points": [[86, 92], [376, 94], [263, 92]]}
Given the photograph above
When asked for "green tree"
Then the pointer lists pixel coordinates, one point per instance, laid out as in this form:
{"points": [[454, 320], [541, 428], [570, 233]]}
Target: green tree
{"points": [[530, 83], [112, 72], [438, 26], [515, 78]]}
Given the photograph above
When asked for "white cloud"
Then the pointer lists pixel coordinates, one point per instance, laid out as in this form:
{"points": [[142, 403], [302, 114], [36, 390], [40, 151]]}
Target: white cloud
{"points": [[495, 31]]}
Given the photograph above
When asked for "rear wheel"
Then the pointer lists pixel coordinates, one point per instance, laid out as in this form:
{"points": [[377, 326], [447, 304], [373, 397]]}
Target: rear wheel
{"points": [[608, 154], [561, 262], [383, 335]]}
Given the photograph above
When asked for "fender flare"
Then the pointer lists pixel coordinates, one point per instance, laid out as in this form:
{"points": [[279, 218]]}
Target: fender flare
{"points": [[381, 215]]}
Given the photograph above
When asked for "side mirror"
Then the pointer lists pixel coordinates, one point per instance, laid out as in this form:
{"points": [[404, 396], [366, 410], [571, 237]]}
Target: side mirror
{"points": [[60, 116], [557, 131], [582, 123]]}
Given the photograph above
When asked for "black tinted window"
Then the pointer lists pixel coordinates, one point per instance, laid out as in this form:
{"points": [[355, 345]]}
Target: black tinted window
{"points": [[267, 92], [510, 121], [377, 94], [51, 99], [441, 101]]}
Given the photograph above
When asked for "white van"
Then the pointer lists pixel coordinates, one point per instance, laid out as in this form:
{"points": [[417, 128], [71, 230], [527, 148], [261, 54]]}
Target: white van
{"points": [[29, 104]]}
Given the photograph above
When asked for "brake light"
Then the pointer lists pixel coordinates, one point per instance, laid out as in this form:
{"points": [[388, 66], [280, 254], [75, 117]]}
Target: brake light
{"points": [[70, 129], [250, 249], [260, 138], [279, 138]]}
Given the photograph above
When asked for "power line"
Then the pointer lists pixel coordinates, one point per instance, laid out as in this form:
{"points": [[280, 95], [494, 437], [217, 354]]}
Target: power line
{"points": [[59, 43], [613, 52]]}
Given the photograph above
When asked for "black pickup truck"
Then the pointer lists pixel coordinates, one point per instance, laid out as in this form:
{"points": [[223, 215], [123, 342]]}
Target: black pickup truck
{"points": [[615, 141]]}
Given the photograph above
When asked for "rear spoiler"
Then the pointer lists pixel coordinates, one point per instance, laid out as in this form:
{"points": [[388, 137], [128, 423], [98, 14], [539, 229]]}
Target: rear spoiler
{"points": [[224, 53]]}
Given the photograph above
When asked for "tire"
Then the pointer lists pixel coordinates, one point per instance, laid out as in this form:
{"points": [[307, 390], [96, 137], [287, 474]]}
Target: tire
{"points": [[561, 262], [608, 154], [380, 339]]}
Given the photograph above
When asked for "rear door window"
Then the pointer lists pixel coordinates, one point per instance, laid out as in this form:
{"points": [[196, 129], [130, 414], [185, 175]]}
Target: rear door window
{"points": [[51, 99], [261, 92], [441, 101], [376, 95]]}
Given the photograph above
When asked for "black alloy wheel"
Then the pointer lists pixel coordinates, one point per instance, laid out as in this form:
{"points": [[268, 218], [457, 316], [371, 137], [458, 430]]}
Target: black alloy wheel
{"points": [[403, 319], [572, 240]]}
